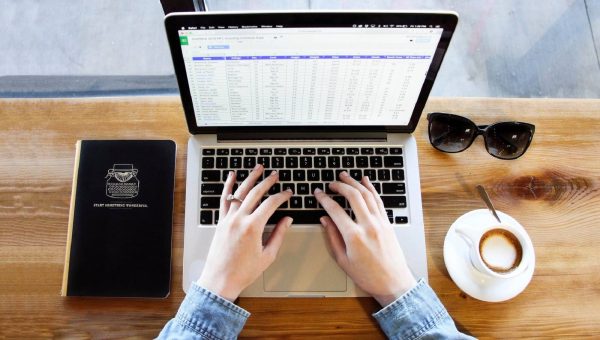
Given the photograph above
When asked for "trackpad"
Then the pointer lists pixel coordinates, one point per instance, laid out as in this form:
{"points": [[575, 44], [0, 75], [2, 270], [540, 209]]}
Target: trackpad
{"points": [[304, 265]]}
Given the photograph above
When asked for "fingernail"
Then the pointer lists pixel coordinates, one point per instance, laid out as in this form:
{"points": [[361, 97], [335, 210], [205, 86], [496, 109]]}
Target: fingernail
{"points": [[290, 222], [273, 173], [230, 174], [257, 166], [317, 190], [322, 219], [343, 173], [289, 190], [366, 178]]}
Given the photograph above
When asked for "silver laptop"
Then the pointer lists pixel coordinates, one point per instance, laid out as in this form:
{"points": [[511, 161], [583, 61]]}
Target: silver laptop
{"points": [[308, 94]]}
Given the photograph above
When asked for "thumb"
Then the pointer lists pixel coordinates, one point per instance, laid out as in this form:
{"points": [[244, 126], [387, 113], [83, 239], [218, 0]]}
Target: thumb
{"points": [[276, 239], [335, 239]]}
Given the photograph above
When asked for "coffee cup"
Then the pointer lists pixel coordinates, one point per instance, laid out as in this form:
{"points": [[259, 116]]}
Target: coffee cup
{"points": [[497, 249]]}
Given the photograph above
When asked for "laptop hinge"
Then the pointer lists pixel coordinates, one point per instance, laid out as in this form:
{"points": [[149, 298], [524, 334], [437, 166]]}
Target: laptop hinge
{"points": [[305, 135]]}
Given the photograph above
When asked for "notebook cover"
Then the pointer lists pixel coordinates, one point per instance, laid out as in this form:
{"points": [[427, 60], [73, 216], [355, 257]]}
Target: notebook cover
{"points": [[120, 222]]}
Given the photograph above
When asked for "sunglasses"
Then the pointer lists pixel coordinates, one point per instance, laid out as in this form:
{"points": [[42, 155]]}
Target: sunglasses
{"points": [[504, 140]]}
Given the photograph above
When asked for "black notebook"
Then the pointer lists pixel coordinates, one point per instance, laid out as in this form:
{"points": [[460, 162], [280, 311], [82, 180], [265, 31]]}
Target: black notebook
{"points": [[120, 222]]}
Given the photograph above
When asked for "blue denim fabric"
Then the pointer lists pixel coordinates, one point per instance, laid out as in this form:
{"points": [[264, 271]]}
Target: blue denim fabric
{"points": [[205, 315], [418, 314]]}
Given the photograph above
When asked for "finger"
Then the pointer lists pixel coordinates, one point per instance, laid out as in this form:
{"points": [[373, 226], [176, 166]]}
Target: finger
{"points": [[275, 240], [253, 198], [227, 189], [357, 202], [268, 207], [337, 213], [367, 183], [246, 185], [366, 194], [335, 240]]}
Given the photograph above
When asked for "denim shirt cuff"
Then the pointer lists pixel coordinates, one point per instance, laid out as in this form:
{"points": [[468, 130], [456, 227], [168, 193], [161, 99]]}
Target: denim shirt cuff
{"points": [[209, 315], [412, 314]]}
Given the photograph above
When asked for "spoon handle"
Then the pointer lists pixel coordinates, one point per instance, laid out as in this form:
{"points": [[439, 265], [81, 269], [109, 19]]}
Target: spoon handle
{"points": [[488, 202]]}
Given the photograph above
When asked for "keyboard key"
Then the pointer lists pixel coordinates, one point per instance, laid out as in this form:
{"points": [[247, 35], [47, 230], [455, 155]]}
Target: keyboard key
{"points": [[216, 217], [223, 152], [372, 174], [338, 151], [265, 161], [366, 151], [299, 175], [303, 189], [383, 174], [305, 162], [299, 216], [266, 151], [277, 162], [295, 202], [320, 162], [352, 151], [401, 219], [211, 189], [206, 216], [396, 151], [394, 201], [210, 202], [348, 162], [375, 161], [291, 162], [241, 175], [333, 162], [327, 175], [328, 190], [211, 175], [393, 188], [390, 215], [285, 175], [315, 186], [393, 161], [281, 151], [323, 151], [275, 189], [222, 163], [295, 151], [252, 152], [237, 152], [381, 151], [235, 162], [291, 186], [312, 175], [377, 187], [249, 162], [397, 174], [309, 151], [208, 152], [208, 162], [356, 174], [310, 202], [362, 162]]}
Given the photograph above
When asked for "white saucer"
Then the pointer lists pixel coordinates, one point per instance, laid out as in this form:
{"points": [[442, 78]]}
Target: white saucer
{"points": [[470, 280]]}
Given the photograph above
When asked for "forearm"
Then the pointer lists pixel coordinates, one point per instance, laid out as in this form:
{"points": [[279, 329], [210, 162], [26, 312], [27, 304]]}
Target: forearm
{"points": [[418, 314], [205, 315]]}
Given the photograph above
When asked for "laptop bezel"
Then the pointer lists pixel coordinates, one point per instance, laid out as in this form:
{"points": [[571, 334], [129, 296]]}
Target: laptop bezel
{"points": [[174, 21]]}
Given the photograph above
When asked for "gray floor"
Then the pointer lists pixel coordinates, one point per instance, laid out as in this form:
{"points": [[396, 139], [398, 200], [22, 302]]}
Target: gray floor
{"points": [[511, 48]]}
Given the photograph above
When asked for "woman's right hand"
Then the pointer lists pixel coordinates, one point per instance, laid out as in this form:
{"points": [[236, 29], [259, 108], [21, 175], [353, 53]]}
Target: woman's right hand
{"points": [[366, 249]]}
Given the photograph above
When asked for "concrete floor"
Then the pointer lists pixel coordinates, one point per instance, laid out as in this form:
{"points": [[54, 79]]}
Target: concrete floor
{"points": [[511, 48]]}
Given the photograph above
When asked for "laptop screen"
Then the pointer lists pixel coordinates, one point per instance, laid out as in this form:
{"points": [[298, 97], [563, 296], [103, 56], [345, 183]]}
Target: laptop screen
{"points": [[271, 75]]}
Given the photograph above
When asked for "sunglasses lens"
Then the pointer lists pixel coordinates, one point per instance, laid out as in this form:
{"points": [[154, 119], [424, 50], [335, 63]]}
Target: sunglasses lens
{"points": [[508, 140], [451, 133]]}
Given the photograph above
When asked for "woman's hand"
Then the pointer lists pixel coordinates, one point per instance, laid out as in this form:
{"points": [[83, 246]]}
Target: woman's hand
{"points": [[237, 256], [366, 249]]}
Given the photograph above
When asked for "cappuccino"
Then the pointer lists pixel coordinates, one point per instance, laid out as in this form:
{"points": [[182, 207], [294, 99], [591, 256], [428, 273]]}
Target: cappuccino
{"points": [[500, 250]]}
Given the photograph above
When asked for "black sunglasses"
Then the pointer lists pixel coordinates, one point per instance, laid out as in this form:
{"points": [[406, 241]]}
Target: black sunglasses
{"points": [[504, 140]]}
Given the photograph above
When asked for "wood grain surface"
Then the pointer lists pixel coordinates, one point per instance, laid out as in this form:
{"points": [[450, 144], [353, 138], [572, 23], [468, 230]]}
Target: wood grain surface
{"points": [[553, 191]]}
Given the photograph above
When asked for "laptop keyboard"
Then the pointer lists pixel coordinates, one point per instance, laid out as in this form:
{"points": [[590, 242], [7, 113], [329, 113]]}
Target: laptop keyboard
{"points": [[303, 170]]}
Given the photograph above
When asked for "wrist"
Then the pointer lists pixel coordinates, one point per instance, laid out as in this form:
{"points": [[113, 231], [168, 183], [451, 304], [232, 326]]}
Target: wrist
{"points": [[221, 289], [387, 298]]}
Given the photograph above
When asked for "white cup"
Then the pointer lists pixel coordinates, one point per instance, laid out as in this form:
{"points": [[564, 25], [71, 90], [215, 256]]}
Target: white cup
{"points": [[497, 249]]}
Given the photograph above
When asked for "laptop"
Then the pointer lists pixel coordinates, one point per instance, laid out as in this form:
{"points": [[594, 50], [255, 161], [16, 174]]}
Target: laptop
{"points": [[308, 94]]}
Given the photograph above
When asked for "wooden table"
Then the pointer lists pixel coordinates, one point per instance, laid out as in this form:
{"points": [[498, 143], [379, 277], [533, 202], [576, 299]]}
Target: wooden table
{"points": [[553, 191]]}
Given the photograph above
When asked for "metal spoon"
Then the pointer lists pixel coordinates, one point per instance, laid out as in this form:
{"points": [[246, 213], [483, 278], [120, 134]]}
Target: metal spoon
{"points": [[488, 202]]}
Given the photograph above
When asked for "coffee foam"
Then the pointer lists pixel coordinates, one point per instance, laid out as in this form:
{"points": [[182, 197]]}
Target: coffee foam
{"points": [[500, 250]]}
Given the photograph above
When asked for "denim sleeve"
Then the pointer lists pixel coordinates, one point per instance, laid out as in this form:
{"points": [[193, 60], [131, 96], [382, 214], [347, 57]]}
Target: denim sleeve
{"points": [[418, 314], [205, 315]]}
